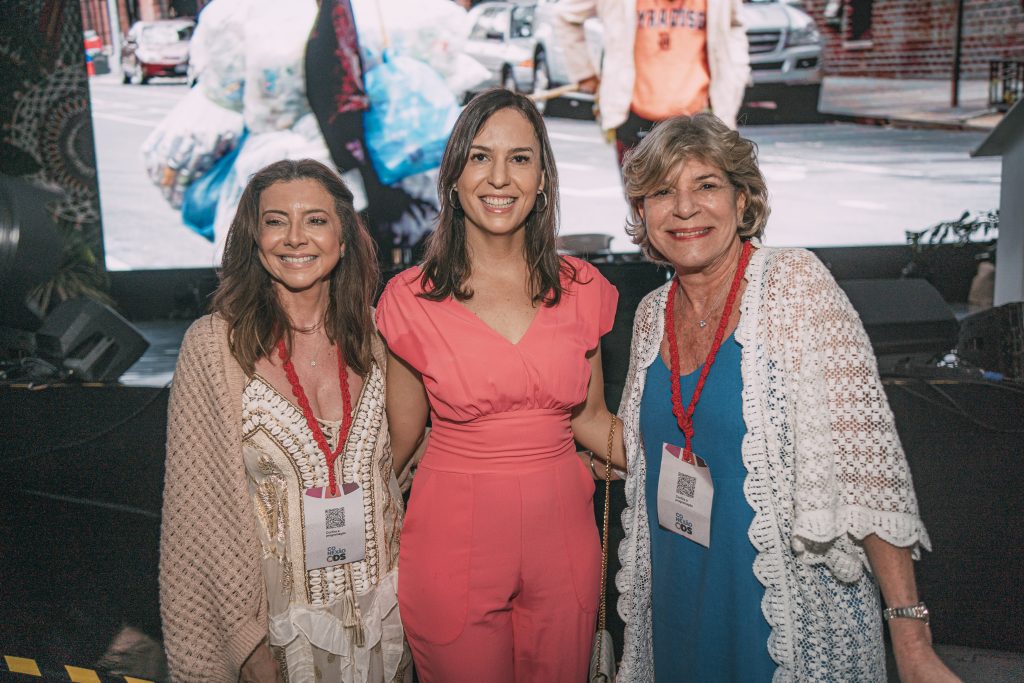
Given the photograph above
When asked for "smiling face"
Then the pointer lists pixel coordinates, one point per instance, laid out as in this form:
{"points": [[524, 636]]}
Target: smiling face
{"points": [[693, 220], [498, 186], [300, 234]]}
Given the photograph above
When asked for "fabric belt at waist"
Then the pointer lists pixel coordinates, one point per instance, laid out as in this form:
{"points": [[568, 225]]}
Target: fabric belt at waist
{"points": [[501, 442]]}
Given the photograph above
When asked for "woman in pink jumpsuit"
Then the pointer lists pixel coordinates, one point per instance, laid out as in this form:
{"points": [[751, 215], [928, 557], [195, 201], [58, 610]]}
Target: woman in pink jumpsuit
{"points": [[500, 557]]}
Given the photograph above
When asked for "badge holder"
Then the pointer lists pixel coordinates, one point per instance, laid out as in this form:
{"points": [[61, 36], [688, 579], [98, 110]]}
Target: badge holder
{"points": [[685, 493], [334, 526]]}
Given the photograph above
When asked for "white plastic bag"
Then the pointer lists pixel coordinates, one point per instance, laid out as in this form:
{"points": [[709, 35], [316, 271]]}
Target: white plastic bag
{"points": [[275, 84], [432, 31], [190, 139], [302, 141], [217, 51]]}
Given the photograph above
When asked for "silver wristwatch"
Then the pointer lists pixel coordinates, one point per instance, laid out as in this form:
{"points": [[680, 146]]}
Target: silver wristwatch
{"points": [[918, 611]]}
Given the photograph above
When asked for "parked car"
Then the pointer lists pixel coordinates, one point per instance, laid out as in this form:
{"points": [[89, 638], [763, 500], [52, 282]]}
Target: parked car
{"points": [[785, 60], [156, 48], [517, 42], [501, 38]]}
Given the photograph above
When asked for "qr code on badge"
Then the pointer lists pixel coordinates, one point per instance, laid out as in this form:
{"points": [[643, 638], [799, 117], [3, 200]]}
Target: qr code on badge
{"points": [[685, 485], [336, 518], [683, 524]]}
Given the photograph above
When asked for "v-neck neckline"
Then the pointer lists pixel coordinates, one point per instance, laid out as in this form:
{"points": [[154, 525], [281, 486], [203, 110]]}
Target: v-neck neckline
{"points": [[333, 423], [455, 302]]}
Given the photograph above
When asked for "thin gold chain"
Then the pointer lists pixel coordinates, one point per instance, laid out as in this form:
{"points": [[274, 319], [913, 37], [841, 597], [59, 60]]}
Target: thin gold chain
{"points": [[604, 537]]}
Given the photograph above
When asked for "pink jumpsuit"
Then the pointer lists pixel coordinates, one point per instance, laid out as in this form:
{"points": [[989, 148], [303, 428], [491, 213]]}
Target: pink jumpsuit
{"points": [[500, 558]]}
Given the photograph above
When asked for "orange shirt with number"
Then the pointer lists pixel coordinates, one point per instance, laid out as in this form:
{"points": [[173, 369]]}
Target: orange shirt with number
{"points": [[670, 54]]}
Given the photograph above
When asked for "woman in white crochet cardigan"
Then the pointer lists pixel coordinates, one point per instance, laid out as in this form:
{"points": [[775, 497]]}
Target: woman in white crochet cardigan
{"points": [[768, 497]]}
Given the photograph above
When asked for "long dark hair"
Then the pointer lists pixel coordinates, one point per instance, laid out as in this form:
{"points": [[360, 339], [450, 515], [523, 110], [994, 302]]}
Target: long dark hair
{"points": [[246, 298], [446, 264]]}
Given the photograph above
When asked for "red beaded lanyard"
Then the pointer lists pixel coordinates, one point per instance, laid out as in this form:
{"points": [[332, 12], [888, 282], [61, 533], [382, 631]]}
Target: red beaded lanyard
{"points": [[685, 417], [307, 411]]}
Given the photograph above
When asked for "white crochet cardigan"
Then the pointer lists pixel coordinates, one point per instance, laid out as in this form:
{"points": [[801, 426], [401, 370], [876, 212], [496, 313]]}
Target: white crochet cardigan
{"points": [[824, 469]]}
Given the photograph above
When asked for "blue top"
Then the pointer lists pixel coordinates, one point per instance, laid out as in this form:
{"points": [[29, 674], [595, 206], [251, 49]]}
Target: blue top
{"points": [[707, 618]]}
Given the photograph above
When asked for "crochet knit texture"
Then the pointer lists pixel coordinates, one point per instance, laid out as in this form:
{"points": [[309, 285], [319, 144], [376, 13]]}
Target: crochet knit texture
{"points": [[212, 597], [824, 469]]}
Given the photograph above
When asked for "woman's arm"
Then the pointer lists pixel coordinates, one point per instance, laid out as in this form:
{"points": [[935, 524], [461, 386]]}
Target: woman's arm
{"points": [[591, 421], [407, 406], [911, 638]]}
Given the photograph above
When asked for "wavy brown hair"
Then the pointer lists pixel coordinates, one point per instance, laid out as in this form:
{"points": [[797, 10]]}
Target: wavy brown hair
{"points": [[659, 156], [446, 265], [245, 296]]}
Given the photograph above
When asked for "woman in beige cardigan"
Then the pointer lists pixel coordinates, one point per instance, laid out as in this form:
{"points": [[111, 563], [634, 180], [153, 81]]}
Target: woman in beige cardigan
{"points": [[276, 424]]}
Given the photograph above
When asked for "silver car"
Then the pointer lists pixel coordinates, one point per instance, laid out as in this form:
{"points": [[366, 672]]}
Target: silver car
{"points": [[785, 59], [501, 38], [517, 43]]}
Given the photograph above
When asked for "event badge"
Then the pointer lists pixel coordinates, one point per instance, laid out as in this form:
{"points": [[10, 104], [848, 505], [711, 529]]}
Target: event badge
{"points": [[335, 529], [685, 493]]}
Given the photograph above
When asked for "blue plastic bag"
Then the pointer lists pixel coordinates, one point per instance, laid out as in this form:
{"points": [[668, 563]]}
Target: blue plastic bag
{"points": [[412, 113], [199, 205]]}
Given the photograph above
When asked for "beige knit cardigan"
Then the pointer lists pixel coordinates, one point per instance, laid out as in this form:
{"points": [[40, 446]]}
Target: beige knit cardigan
{"points": [[213, 600]]}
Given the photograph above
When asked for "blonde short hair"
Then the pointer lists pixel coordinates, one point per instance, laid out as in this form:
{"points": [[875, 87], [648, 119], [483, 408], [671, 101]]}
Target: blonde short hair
{"points": [[653, 163]]}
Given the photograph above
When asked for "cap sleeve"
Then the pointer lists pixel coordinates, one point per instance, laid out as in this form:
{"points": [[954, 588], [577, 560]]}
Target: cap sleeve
{"points": [[598, 300], [608, 301], [396, 316]]}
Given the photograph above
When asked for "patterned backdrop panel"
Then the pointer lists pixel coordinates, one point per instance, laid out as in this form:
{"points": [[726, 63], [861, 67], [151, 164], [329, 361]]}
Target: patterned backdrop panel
{"points": [[46, 134]]}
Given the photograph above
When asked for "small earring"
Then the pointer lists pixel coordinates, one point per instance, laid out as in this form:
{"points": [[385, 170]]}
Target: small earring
{"points": [[541, 193], [452, 200]]}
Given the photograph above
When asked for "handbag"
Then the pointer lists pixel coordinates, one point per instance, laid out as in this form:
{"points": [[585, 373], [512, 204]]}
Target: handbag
{"points": [[602, 656]]}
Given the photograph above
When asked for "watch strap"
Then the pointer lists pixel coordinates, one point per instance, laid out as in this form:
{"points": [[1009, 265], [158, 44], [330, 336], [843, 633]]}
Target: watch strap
{"points": [[918, 611]]}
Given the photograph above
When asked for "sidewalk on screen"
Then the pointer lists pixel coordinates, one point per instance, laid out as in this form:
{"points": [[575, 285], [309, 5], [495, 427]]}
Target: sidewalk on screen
{"points": [[909, 103]]}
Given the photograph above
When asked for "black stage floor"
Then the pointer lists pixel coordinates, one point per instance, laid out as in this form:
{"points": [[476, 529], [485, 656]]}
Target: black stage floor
{"points": [[84, 466]]}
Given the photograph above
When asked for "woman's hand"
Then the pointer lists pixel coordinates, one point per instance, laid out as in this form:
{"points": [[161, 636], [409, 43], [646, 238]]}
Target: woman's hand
{"points": [[916, 660], [595, 465], [260, 667], [911, 638]]}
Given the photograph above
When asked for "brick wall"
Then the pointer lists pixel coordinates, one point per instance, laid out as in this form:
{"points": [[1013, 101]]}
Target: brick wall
{"points": [[96, 17], [915, 38]]}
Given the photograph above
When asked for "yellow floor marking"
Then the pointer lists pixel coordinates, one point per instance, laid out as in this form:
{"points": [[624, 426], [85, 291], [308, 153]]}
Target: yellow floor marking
{"points": [[80, 675], [129, 679], [22, 665]]}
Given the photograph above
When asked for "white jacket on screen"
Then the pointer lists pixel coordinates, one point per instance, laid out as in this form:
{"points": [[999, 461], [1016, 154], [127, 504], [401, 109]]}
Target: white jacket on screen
{"points": [[728, 58]]}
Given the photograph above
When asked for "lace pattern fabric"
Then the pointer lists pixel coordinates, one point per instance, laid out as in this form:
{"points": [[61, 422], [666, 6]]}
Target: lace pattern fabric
{"points": [[337, 623], [824, 469]]}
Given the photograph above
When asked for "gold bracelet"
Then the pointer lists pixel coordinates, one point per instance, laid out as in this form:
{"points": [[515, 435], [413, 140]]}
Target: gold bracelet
{"points": [[592, 469]]}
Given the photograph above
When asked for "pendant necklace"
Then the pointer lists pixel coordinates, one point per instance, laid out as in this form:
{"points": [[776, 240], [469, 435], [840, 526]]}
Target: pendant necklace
{"points": [[316, 354], [312, 329], [707, 314], [312, 362]]}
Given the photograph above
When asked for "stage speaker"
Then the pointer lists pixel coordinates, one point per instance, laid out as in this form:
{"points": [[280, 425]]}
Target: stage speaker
{"points": [[91, 340], [994, 340], [30, 248], [905, 318]]}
